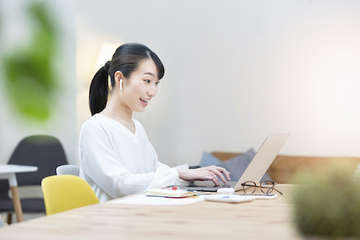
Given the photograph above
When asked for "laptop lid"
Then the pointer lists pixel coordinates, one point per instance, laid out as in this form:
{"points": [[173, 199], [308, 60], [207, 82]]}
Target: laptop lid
{"points": [[263, 159]]}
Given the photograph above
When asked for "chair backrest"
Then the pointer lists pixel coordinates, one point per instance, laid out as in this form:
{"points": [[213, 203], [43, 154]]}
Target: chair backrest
{"points": [[68, 170], [4, 189], [65, 192], [43, 151]]}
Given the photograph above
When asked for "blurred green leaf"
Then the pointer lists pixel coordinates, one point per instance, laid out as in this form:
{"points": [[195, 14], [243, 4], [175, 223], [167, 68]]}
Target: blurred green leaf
{"points": [[30, 75]]}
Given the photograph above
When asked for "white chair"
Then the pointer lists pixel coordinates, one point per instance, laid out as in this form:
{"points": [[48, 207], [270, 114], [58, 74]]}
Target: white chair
{"points": [[68, 170]]}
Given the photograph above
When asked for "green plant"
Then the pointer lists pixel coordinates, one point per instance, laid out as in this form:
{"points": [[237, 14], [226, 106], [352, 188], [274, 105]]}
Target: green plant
{"points": [[30, 75], [327, 202]]}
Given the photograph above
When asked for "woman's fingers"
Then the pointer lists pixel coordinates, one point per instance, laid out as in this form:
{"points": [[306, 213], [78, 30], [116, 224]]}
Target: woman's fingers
{"points": [[208, 175], [222, 171], [225, 172], [215, 179], [213, 173], [218, 174]]}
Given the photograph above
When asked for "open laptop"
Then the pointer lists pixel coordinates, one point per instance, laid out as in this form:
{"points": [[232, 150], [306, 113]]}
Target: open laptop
{"points": [[256, 169]]}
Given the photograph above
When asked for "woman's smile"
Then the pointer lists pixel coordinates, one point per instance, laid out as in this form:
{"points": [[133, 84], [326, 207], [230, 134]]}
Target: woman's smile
{"points": [[143, 102]]}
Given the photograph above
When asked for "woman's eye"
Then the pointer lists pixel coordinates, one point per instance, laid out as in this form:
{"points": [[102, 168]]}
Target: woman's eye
{"points": [[157, 83], [147, 81]]}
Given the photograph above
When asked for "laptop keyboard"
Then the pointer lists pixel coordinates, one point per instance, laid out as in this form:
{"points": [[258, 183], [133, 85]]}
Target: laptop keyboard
{"points": [[208, 186]]}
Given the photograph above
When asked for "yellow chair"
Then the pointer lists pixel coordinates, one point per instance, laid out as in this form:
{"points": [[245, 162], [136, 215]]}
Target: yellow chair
{"points": [[65, 192]]}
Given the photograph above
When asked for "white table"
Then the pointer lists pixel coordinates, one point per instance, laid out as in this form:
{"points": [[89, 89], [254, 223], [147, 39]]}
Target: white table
{"points": [[9, 172]]}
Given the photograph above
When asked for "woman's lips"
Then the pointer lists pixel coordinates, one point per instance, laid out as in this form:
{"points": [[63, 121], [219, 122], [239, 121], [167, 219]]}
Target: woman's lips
{"points": [[143, 102]]}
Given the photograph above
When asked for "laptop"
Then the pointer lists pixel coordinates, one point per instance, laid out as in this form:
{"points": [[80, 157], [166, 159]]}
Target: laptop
{"points": [[256, 169]]}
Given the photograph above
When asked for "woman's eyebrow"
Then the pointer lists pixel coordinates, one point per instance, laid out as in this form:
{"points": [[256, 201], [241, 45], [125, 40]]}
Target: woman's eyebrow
{"points": [[150, 73]]}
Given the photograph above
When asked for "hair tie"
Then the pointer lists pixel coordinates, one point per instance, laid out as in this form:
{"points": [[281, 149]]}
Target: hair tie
{"points": [[107, 66]]}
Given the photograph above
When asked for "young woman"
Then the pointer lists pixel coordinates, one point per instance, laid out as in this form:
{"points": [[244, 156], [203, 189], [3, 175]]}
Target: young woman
{"points": [[116, 156]]}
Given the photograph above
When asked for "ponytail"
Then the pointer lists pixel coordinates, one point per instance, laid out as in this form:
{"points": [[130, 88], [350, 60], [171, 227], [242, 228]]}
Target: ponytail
{"points": [[99, 89]]}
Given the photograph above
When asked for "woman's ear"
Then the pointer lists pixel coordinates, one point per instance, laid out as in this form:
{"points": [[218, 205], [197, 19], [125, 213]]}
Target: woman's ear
{"points": [[119, 79]]}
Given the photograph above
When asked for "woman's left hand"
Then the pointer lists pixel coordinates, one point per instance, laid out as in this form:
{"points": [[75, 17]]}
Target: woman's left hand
{"points": [[212, 173]]}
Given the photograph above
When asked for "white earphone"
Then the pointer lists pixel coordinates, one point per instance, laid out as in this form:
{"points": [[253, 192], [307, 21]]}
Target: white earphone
{"points": [[120, 84]]}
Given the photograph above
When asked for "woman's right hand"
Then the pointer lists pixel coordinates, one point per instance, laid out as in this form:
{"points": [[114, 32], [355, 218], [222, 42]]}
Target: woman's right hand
{"points": [[212, 173]]}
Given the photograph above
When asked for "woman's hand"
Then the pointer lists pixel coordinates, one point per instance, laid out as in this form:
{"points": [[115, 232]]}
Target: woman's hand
{"points": [[212, 173]]}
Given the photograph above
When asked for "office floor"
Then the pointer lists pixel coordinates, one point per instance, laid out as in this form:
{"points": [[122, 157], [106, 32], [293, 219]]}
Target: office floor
{"points": [[27, 217], [26, 191]]}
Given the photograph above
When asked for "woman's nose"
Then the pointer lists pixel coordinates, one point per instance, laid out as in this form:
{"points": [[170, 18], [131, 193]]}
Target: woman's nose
{"points": [[152, 91]]}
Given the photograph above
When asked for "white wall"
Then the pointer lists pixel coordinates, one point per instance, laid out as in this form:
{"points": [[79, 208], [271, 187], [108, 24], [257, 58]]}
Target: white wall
{"points": [[15, 32], [237, 71]]}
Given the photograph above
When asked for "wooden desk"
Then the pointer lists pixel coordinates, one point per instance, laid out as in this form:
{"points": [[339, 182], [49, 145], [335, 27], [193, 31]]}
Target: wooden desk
{"points": [[260, 219], [8, 172]]}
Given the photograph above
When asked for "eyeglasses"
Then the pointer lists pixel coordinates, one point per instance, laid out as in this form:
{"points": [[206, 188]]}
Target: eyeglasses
{"points": [[266, 187]]}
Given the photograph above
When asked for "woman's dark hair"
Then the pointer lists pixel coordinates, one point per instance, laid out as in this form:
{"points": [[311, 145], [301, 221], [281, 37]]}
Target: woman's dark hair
{"points": [[125, 59]]}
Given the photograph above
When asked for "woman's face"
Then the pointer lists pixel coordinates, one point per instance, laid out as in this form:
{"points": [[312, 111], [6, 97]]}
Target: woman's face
{"points": [[141, 86]]}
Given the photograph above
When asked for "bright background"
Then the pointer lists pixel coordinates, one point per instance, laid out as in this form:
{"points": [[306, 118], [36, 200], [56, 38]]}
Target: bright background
{"points": [[236, 71]]}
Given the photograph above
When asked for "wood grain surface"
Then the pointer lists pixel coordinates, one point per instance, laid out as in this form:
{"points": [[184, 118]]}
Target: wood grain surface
{"points": [[260, 219]]}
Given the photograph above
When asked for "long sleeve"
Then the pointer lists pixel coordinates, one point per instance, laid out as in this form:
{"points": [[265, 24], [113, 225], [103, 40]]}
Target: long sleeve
{"points": [[178, 181], [107, 170]]}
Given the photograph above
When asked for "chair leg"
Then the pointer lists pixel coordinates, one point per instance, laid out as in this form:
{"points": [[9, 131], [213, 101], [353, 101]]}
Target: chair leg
{"points": [[9, 218]]}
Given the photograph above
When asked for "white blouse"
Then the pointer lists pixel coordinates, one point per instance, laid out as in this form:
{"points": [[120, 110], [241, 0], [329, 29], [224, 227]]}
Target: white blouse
{"points": [[116, 162]]}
